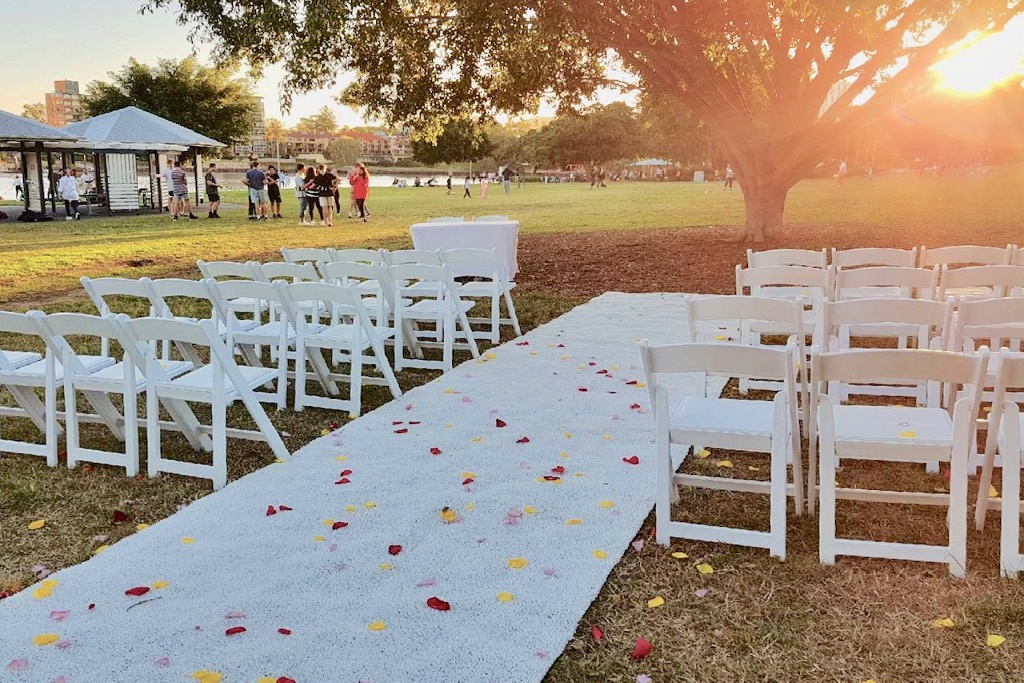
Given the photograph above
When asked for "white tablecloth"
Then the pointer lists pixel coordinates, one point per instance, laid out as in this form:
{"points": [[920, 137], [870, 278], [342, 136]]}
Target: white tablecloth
{"points": [[502, 236]]}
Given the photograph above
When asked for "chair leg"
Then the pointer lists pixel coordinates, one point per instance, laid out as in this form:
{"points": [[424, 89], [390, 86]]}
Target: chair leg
{"points": [[1009, 536], [50, 393], [512, 313], [220, 446], [958, 503], [263, 422], [355, 386], [72, 440], [464, 324], [981, 508], [153, 432], [778, 499], [131, 430], [827, 508], [448, 334], [495, 318], [399, 343], [300, 373], [665, 486]]}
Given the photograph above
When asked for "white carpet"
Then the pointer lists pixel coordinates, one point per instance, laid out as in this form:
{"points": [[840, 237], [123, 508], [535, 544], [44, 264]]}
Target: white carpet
{"points": [[326, 586]]}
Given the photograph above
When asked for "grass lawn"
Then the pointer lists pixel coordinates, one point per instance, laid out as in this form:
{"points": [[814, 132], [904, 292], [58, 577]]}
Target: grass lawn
{"points": [[752, 619]]}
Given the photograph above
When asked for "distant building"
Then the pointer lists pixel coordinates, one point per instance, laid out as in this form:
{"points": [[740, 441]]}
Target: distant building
{"points": [[255, 143], [64, 104], [378, 147]]}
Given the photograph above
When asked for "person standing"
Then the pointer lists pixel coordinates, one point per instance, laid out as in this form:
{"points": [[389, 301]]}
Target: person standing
{"points": [[465, 187], [300, 194], [336, 185], [17, 188], [212, 191], [842, 171], [312, 195], [449, 182], [67, 188], [730, 178], [179, 185], [274, 191], [506, 179], [88, 181], [169, 187], [325, 189], [483, 187], [255, 180], [360, 182]]}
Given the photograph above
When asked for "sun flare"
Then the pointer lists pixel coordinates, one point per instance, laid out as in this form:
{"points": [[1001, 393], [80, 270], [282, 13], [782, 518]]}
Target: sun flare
{"points": [[983, 62]]}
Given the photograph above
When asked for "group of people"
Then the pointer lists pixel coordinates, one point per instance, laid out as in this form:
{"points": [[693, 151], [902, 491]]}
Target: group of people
{"points": [[505, 177], [318, 188]]}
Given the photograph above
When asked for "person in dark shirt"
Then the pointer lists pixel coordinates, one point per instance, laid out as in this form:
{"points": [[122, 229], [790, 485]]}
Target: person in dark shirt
{"points": [[255, 180], [324, 183], [212, 192], [274, 191], [312, 195]]}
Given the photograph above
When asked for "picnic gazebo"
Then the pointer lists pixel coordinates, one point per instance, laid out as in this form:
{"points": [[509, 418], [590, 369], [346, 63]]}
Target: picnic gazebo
{"points": [[125, 134], [32, 139]]}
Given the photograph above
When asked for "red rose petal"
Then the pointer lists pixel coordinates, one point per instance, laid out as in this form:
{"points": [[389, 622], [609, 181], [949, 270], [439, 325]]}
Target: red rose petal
{"points": [[631, 382], [596, 631], [499, 423], [548, 477], [234, 630], [396, 422], [558, 470], [338, 525], [137, 591], [467, 481], [403, 430], [92, 605], [285, 679], [415, 422], [602, 372], [635, 406], [560, 346], [642, 649], [345, 473], [583, 389], [344, 480], [631, 460], [271, 510], [523, 343], [525, 439], [435, 451], [438, 604], [284, 631], [284, 508], [394, 549], [87, 468], [119, 516]]}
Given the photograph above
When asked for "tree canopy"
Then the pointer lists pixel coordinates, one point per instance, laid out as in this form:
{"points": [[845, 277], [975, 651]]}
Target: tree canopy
{"points": [[207, 100], [459, 140], [344, 151], [757, 73], [36, 111], [324, 121]]}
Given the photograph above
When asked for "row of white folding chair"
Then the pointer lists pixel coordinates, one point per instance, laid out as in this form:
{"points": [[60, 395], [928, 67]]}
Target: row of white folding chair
{"points": [[888, 256], [217, 381]]}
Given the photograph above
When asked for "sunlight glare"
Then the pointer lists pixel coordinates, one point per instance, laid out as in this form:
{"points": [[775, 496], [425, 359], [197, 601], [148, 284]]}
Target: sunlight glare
{"points": [[983, 63]]}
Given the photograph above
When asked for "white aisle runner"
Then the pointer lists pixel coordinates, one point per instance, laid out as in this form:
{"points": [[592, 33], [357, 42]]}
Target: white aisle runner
{"points": [[505, 489]]}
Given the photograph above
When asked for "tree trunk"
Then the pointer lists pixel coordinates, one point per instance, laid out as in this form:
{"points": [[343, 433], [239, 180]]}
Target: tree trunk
{"points": [[765, 204]]}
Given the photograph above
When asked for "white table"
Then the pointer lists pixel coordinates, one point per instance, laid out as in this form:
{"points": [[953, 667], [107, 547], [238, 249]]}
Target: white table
{"points": [[502, 236]]}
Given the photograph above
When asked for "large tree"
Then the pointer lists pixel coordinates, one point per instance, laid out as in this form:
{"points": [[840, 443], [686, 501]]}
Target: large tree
{"points": [[207, 100], [600, 135], [35, 111], [344, 151], [459, 140], [324, 121], [758, 73]]}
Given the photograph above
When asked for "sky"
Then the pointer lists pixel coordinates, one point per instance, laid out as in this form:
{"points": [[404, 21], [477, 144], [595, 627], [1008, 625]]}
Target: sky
{"points": [[86, 40]]}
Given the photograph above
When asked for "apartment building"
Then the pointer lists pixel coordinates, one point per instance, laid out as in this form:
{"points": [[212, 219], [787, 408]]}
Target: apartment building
{"points": [[254, 144], [64, 104]]}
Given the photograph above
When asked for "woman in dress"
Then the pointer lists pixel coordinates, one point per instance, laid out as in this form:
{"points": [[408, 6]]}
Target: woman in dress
{"points": [[360, 182]]}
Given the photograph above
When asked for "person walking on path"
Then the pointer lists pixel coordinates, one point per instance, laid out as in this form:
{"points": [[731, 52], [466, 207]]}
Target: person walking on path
{"points": [[179, 184], [730, 177], [18, 191], [212, 192], [274, 191], [360, 182], [465, 186], [255, 180], [300, 194], [67, 188]]}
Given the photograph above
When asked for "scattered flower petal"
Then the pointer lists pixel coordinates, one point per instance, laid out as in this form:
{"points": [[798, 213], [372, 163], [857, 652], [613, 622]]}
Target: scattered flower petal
{"points": [[17, 665], [36, 525], [517, 562], [284, 631], [724, 463], [700, 592], [137, 591], [188, 540], [600, 554], [705, 568], [438, 604], [157, 585], [505, 596], [607, 504], [655, 602], [704, 453], [377, 626], [631, 460], [596, 632], [680, 556], [60, 615], [637, 545], [162, 662], [426, 582], [235, 630], [235, 614], [994, 640], [944, 622], [45, 639], [642, 649], [204, 676], [394, 549]]}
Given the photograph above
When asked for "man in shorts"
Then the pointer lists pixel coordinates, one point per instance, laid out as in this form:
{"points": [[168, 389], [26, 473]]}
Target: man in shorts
{"points": [[179, 186], [274, 191], [212, 192], [169, 187], [255, 180]]}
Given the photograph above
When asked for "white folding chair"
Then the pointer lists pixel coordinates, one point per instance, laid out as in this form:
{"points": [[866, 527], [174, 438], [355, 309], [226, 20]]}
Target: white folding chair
{"points": [[290, 272], [491, 282], [956, 257], [494, 217], [877, 282], [423, 293], [99, 289], [422, 256], [808, 258], [893, 434], [309, 254], [446, 219], [366, 277], [758, 426], [22, 374], [981, 282], [361, 255], [218, 383], [874, 256], [217, 270], [351, 334], [785, 282]]}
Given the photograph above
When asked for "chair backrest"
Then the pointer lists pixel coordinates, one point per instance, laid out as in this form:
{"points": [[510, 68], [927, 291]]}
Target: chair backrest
{"points": [[966, 254], [363, 255], [18, 324], [874, 256], [163, 289], [764, 278], [482, 263], [881, 365], [787, 257], [100, 288], [230, 269], [142, 333], [308, 254], [495, 217], [742, 308], [423, 256], [932, 319], [921, 282], [446, 219], [343, 299], [999, 321], [763, 362], [295, 272], [1003, 280], [343, 272], [55, 327], [405, 277]]}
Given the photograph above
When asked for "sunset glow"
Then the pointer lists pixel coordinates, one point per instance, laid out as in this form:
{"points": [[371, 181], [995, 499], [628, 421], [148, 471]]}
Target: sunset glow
{"points": [[984, 62]]}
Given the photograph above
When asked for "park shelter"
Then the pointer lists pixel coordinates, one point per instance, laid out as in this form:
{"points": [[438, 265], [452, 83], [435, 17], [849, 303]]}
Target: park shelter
{"points": [[32, 139], [652, 162], [127, 133]]}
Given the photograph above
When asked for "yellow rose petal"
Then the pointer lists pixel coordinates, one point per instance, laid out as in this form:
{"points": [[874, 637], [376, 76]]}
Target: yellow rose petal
{"points": [[753, 469], [641, 385], [448, 425], [564, 357], [530, 510], [505, 596], [471, 506], [992, 492], [325, 432], [574, 521], [724, 463], [469, 475], [36, 525], [204, 676], [350, 508], [568, 435], [188, 540], [449, 391], [140, 527], [385, 567], [600, 554], [319, 539], [944, 622], [267, 679], [100, 549], [491, 355], [377, 626], [533, 353], [680, 556], [578, 475], [908, 435], [616, 367], [45, 638], [994, 640], [705, 568], [157, 585], [342, 458], [607, 504], [45, 589], [654, 603], [703, 453], [607, 437], [328, 522], [476, 439], [720, 337], [564, 455], [369, 505], [517, 562]]}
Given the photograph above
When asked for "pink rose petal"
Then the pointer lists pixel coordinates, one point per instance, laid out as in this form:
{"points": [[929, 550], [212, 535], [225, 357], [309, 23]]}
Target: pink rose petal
{"points": [[637, 545], [426, 582], [235, 614], [62, 644], [467, 399], [18, 665], [548, 571], [700, 592], [163, 662], [59, 679], [333, 547], [60, 615]]}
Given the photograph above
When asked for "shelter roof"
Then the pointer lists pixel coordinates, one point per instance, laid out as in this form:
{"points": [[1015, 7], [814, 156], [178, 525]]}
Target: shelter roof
{"points": [[134, 125], [14, 128]]}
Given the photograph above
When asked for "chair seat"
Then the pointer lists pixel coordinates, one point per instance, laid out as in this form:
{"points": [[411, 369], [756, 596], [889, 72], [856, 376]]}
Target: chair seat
{"points": [[753, 418], [271, 331], [200, 380], [248, 304], [338, 335], [484, 288], [114, 374], [432, 308], [19, 359], [852, 293], [791, 293], [893, 425], [976, 292], [38, 369]]}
